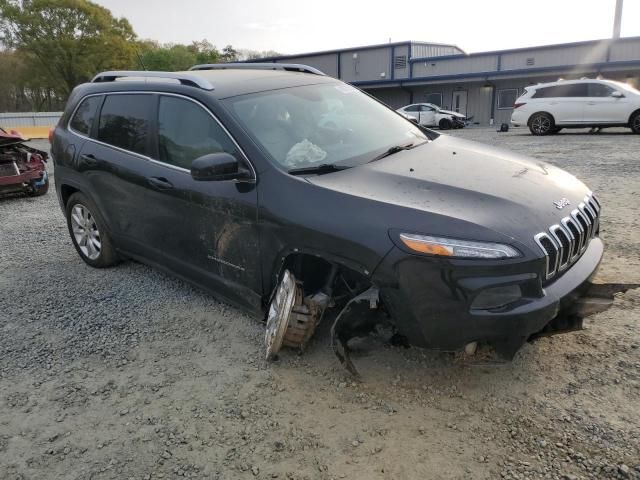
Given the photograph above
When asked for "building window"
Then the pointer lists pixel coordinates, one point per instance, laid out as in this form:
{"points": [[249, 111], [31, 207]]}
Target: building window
{"points": [[507, 97], [531, 61], [435, 98], [400, 62]]}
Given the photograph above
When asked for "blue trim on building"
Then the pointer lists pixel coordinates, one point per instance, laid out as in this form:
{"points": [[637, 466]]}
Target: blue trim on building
{"points": [[392, 66], [484, 75]]}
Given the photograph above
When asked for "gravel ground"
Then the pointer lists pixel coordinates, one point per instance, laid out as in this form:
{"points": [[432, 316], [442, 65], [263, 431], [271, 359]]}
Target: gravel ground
{"points": [[128, 373]]}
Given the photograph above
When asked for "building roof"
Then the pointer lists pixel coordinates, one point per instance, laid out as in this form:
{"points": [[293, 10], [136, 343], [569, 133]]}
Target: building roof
{"points": [[360, 48]]}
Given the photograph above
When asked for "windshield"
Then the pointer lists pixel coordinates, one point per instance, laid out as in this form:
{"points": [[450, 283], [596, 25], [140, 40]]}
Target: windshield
{"points": [[327, 124]]}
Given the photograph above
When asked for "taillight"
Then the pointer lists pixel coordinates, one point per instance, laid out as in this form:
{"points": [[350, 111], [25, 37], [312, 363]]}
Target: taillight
{"points": [[516, 105], [51, 134]]}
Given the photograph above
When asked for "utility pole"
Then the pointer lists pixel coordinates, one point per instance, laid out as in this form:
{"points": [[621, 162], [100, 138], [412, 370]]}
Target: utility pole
{"points": [[617, 19]]}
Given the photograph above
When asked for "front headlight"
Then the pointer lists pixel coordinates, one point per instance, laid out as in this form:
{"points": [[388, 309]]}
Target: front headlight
{"points": [[451, 247]]}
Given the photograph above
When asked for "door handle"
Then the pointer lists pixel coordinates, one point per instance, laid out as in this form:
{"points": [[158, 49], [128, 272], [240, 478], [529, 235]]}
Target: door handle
{"points": [[591, 103], [89, 160], [160, 183]]}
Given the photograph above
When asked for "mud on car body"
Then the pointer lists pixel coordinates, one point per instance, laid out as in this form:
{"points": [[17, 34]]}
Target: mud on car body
{"points": [[22, 168], [229, 176]]}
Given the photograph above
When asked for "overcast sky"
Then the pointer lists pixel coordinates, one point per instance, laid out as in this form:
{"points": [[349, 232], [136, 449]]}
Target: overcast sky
{"points": [[295, 26]]}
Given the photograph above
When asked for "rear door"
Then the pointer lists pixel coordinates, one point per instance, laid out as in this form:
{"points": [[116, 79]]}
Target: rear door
{"points": [[602, 107], [413, 111], [115, 165], [567, 103], [427, 115]]}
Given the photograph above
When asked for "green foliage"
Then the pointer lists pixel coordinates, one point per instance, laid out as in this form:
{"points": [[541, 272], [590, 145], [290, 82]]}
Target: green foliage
{"points": [[69, 40], [50, 46]]}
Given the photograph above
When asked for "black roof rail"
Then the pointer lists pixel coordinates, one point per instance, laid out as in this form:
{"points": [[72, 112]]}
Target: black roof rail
{"points": [[290, 67], [185, 78]]}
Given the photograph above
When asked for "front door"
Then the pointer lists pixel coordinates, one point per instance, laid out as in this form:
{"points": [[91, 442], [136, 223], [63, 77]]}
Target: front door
{"points": [[459, 102], [211, 231], [605, 105]]}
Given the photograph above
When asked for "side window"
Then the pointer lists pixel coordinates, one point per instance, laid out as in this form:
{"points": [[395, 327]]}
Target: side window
{"points": [[424, 108], [599, 90], [542, 93], [412, 108], [576, 90], [83, 118], [186, 131], [124, 121], [559, 91]]}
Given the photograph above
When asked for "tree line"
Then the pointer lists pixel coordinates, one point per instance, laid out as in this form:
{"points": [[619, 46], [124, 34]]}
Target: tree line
{"points": [[47, 47]]}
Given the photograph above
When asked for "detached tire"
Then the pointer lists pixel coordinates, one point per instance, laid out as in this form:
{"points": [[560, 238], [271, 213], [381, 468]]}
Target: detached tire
{"points": [[445, 124], [634, 122], [541, 124], [88, 232]]}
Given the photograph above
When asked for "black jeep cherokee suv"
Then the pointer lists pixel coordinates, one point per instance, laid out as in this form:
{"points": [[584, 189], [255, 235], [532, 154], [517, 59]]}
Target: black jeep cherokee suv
{"points": [[288, 192]]}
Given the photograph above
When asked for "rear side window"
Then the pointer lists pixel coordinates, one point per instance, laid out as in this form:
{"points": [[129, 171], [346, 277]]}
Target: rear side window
{"points": [[186, 132], [124, 122], [85, 114], [558, 91], [599, 90]]}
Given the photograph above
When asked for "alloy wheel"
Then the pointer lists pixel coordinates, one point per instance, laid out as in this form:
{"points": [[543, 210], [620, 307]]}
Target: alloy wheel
{"points": [[85, 231], [636, 124], [541, 124]]}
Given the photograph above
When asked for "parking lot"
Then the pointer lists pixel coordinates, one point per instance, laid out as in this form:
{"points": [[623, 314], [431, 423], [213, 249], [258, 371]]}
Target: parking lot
{"points": [[128, 373]]}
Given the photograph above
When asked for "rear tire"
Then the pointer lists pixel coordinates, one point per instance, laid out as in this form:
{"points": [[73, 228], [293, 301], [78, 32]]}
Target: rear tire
{"points": [[634, 123], [445, 124], [88, 232], [541, 124]]}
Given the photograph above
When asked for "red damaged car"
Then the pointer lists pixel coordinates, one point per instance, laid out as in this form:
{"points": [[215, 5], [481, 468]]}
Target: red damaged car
{"points": [[22, 168]]}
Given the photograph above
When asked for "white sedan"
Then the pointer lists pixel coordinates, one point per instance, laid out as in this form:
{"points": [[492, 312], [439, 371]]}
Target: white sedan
{"points": [[430, 115]]}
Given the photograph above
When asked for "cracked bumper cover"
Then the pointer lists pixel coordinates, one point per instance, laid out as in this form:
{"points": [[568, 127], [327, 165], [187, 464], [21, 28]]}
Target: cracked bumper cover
{"points": [[430, 298]]}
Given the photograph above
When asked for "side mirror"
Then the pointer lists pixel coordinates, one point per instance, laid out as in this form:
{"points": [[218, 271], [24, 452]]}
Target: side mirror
{"points": [[617, 94], [217, 167]]}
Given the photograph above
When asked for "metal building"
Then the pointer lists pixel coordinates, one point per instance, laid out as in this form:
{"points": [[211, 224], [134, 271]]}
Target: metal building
{"points": [[481, 85]]}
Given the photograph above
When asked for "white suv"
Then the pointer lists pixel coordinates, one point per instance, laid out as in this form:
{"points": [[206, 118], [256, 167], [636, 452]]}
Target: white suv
{"points": [[547, 108]]}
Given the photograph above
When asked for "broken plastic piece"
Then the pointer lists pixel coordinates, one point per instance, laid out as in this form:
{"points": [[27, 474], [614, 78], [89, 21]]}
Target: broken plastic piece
{"points": [[364, 322]]}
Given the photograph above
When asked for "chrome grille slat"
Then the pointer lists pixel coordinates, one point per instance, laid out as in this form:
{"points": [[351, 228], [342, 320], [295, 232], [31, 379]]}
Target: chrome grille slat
{"points": [[563, 243]]}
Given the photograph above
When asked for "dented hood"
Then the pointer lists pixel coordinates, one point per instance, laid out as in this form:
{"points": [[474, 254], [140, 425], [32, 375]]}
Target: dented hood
{"points": [[489, 187]]}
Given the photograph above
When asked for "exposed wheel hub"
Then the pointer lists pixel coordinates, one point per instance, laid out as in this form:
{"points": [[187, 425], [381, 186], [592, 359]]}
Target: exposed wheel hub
{"points": [[292, 318]]}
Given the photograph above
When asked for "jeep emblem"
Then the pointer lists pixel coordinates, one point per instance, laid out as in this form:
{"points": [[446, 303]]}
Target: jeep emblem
{"points": [[560, 204]]}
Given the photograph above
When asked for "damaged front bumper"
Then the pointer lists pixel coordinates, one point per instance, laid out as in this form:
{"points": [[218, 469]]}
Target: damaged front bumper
{"points": [[431, 300]]}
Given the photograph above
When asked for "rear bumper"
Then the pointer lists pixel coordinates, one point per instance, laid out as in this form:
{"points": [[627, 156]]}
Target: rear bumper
{"points": [[518, 118], [431, 301]]}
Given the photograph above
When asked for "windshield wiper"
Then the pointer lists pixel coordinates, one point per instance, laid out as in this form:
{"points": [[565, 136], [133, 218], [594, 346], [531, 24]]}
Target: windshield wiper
{"points": [[319, 169], [392, 150]]}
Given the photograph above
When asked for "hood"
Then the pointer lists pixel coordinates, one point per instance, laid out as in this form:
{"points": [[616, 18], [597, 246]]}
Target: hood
{"points": [[449, 112], [459, 179]]}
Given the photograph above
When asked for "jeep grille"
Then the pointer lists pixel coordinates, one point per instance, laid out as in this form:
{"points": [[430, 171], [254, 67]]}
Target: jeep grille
{"points": [[563, 243]]}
